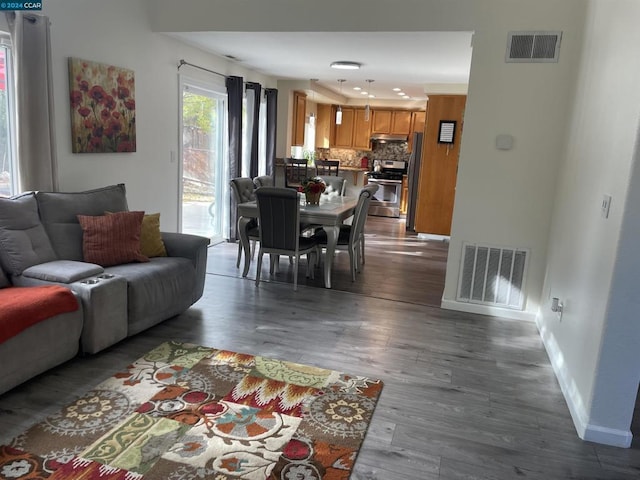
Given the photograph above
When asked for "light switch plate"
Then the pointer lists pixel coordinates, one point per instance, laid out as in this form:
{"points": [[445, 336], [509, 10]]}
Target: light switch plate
{"points": [[504, 142]]}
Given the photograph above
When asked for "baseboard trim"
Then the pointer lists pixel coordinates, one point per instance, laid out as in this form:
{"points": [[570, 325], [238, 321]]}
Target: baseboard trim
{"points": [[585, 430], [488, 310]]}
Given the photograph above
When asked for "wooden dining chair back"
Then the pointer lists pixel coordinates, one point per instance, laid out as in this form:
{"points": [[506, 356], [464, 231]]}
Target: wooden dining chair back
{"points": [[243, 191], [328, 167], [295, 171], [279, 225], [263, 181]]}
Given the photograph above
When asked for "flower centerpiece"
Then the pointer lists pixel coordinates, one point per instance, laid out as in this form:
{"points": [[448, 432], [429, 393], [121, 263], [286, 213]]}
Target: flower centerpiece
{"points": [[312, 189]]}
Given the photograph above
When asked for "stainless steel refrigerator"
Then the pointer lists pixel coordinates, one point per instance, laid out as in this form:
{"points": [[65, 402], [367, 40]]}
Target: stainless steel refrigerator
{"points": [[413, 177]]}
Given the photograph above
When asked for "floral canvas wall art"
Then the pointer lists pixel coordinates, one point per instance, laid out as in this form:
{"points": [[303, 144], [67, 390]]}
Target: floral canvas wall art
{"points": [[103, 107]]}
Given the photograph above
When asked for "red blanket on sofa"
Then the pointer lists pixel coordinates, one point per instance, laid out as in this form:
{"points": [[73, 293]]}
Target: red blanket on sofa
{"points": [[22, 307]]}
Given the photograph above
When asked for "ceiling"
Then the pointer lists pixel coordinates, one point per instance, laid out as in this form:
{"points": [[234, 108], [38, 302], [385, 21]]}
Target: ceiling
{"points": [[406, 60]]}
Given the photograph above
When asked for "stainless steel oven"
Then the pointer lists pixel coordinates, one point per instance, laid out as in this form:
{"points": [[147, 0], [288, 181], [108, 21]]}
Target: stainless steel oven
{"points": [[386, 201]]}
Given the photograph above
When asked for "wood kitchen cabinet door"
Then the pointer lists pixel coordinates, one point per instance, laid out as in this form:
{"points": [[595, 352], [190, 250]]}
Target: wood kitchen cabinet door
{"points": [[400, 122], [325, 126], [299, 118], [361, 131], [439, 169], [344, 131], [381, 121]]}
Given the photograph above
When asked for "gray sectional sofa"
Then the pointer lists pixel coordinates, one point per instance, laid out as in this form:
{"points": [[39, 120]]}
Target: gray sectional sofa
{"points": [[41, 243]]}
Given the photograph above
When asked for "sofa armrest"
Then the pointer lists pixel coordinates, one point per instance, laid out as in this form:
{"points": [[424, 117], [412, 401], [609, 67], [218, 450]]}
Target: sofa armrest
{"points": [[193, 247]]}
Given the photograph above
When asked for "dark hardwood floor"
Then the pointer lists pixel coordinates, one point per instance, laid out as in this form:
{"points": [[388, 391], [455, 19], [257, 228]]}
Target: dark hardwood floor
{"points": [[465, 397]]}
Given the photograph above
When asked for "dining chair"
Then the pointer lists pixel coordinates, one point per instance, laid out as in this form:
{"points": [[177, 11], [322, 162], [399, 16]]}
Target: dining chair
{"points": [[335, 185], [328, 167], [351, 237], [244, 191], [263, 181], [279, 227], [295, 171]]}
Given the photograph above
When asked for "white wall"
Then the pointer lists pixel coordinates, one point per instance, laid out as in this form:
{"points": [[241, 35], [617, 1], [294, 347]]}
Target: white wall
{"points": [[594, 266], [117, 32]]}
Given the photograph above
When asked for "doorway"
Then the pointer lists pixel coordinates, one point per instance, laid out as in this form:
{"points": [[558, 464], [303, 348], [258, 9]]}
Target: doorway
{"points": [[203, 190]]}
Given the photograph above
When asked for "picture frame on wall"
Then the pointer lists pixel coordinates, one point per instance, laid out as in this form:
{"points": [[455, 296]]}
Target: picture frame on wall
{"points": [[103, 107]]}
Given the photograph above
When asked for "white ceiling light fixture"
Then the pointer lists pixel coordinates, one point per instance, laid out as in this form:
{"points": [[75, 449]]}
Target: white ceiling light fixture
{"points": [[345, 65], [367, 109], [339, 111]]}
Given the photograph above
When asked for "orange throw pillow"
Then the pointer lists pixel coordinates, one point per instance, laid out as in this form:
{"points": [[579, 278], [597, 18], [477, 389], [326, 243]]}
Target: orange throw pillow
{"points": [[112, 239]]}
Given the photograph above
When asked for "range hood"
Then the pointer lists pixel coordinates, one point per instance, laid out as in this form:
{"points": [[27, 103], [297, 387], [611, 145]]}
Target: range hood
{"points": [[387, 138]]}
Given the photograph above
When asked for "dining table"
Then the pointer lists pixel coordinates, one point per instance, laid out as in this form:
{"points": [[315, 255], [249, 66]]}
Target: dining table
{"points": [[330, 213]]}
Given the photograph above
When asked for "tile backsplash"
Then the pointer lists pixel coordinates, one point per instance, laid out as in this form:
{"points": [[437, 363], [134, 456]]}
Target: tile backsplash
{"points": [[397, 151]]}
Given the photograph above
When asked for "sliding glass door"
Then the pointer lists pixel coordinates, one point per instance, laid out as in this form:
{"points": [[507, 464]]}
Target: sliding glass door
{"points": [[204, 198]]}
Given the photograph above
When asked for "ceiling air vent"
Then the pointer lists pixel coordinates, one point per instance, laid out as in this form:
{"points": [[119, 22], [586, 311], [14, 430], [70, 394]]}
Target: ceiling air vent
{"points": [[533, 47]]}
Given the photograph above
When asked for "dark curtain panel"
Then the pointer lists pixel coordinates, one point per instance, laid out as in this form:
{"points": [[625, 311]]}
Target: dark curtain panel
{"points": [[272, 119], [234, 100], [255, 128]]}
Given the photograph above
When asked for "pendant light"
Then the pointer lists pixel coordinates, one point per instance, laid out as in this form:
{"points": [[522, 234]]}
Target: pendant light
{"points": [[312, 116], [339, 111], [367, 109]]}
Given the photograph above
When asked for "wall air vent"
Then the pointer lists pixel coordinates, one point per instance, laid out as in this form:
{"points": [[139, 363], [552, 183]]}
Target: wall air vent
{"points": [[493, 276], [533, 47]]}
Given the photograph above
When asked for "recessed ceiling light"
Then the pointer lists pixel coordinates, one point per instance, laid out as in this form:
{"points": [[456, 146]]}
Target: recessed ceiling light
{"points": [[363, 92], [344, 65], [372, 96], [397, 89], [402, 94], [357, 88]]}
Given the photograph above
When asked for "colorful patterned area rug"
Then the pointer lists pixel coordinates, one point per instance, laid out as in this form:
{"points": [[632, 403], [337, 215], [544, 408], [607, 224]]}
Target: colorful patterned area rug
{"points": [[184, 412]]}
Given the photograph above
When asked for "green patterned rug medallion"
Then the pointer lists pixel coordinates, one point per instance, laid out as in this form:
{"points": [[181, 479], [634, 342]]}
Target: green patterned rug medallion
{"points": [[185, 412]]}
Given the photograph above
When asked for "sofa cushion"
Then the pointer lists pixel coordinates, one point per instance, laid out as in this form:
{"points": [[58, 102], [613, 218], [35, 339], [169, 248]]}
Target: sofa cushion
{"points": [[23, 239], [63, 271], [156, 290], [112, 239], [58, 211]]}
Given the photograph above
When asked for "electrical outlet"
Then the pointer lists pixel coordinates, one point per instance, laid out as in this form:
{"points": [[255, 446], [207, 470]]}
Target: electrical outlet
{"points": [[606, 204]]}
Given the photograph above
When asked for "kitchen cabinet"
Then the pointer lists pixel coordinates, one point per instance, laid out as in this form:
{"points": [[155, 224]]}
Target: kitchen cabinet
{"points": [[325, 125], [404, 196], [299, 118], [395, 122], [361, 131], [400, 122], [381, 121], [344, 131]]}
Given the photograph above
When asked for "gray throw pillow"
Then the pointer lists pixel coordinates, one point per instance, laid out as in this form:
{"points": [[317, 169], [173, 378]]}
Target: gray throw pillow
{"points": [[23, 239], [59, 211]]}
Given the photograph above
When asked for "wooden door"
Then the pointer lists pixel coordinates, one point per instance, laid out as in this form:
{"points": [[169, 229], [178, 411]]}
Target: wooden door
{"points": [[361, 131], [439, 169], [299, 118], [344, 131]]}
